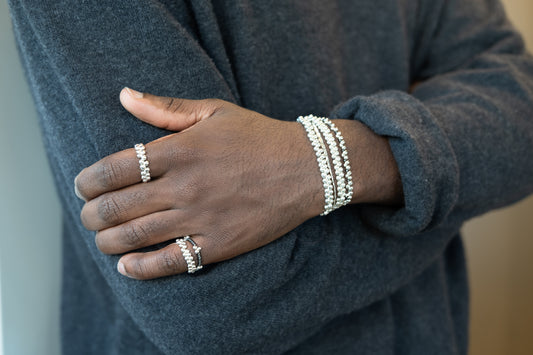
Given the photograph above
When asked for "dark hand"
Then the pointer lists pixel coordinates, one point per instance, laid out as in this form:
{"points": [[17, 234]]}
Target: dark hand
{"points": [[232, 179]]}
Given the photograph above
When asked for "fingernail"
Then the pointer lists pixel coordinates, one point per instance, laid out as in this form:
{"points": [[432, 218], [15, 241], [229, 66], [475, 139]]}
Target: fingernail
{"points": [[76, 191], [121, 268], [135, 94]]}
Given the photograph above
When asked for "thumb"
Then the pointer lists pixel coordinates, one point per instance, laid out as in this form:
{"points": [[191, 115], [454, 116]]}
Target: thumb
{"points": [[169, 113]]}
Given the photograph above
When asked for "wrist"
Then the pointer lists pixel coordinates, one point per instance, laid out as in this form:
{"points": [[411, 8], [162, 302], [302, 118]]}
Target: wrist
{"points": [[375, 173]]}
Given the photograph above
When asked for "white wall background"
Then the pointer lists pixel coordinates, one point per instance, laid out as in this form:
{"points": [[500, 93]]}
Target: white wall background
{"points": [[499, 245], [29, 217]]}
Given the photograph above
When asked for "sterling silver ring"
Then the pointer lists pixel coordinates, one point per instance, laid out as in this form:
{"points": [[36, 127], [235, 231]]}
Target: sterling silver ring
{"points": [[143, 162], [191, 264]]}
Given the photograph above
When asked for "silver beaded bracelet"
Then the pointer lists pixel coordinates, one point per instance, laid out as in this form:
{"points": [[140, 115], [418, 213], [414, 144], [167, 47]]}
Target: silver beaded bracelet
{"points": [[347, 166], [323, 162], [338, 188], [338, 166]]}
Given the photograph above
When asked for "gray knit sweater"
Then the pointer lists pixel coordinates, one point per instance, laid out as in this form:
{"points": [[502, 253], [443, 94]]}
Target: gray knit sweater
{"points": [[366, 279]]}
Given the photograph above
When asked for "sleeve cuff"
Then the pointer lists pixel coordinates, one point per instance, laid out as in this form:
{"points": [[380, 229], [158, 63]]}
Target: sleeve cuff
{"points": [[426, 161]]}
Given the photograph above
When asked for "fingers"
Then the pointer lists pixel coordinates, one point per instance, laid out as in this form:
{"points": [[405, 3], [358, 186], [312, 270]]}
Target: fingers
{"points": [[119, 170], [166, 112], [117, 207], [122, 169], [164, 262], [142, 232]]}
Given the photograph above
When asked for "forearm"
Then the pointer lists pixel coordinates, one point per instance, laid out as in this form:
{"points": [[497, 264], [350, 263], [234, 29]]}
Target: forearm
{"points": [[81, 121], [340, 262], [462, 139]]}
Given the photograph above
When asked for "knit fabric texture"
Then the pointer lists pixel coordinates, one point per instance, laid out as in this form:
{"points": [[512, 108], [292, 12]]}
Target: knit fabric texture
{"points": [[446, 81]]}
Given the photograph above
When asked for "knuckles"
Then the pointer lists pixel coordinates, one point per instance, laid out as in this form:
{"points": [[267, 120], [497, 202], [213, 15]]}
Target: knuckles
{"points": [[195, 110], [168, 261], [109, 174], [133, 235], [174, 104], [112, 209], [109, 210], [102, 212], [127, 237], [103, 176]]}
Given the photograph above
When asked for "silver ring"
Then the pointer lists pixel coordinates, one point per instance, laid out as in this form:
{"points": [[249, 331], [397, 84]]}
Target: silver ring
{"points": [[143, 162], [191, 265]]}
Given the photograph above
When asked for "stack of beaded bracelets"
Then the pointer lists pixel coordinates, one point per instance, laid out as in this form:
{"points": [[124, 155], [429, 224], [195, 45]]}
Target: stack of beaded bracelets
{"points": [[337, 181], [191, 265]]}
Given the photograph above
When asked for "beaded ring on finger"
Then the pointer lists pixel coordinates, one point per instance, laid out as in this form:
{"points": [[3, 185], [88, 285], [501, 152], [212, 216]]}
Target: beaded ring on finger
{"points": [[143, 162], [191, 265]]}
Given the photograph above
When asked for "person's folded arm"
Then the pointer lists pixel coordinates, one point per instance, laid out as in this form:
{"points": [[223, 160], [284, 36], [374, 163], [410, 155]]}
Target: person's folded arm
{"points": [[463, 137], [276, 296]]}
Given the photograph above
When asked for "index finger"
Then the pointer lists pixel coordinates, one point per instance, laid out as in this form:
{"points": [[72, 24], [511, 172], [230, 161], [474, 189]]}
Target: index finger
{"points": [[117, 171]]}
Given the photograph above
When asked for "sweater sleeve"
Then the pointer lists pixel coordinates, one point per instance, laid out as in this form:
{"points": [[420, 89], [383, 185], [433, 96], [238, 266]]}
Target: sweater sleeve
{"points": [[462, 139]]}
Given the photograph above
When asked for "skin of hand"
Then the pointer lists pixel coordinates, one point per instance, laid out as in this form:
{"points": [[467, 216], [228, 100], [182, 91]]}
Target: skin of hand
{"points": [[231, 178]]}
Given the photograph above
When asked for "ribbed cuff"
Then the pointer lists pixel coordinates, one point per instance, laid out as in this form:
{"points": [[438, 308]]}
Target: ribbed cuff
{"points": [[426, 161]]}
